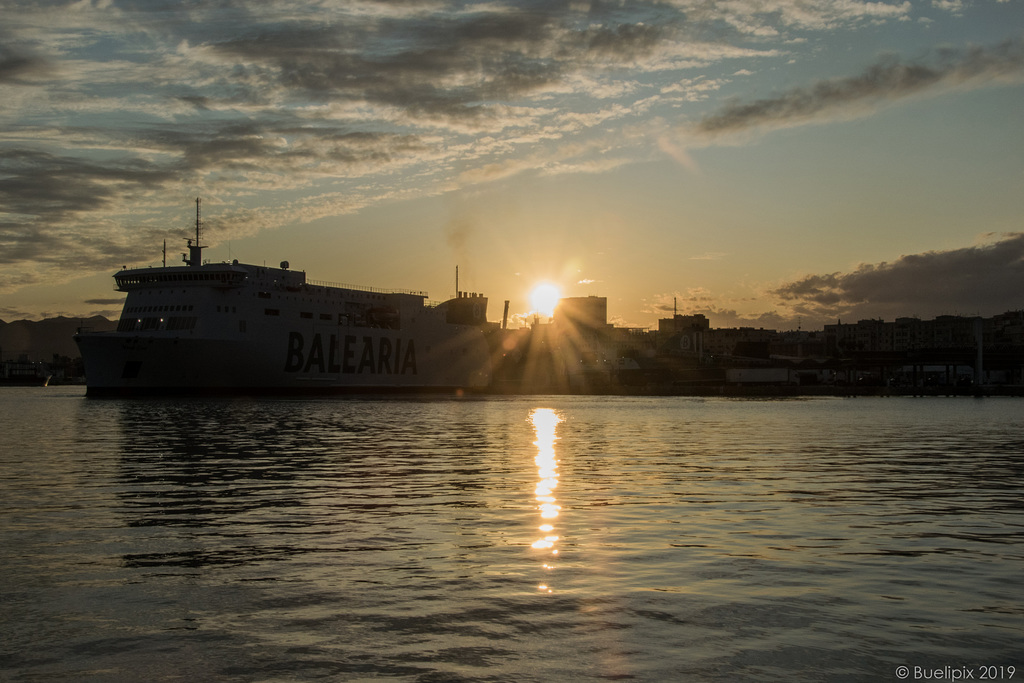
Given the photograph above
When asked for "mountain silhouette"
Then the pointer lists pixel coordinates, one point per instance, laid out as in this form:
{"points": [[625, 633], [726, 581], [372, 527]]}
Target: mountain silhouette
{"points": [[40, 340]]}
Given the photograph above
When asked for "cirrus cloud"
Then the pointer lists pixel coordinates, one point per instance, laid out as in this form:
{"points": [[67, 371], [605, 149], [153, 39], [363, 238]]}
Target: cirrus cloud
{"points": [[887, 80]]}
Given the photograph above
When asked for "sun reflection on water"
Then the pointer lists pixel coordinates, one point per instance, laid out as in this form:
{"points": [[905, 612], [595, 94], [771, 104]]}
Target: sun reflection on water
{"points": [[545, 421]]}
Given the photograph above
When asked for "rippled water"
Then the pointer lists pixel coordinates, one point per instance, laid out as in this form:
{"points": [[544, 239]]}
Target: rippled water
{"points": [[508, 539]]}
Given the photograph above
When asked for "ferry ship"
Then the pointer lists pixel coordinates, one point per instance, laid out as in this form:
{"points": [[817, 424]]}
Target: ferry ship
{"points": [[233, 327]]}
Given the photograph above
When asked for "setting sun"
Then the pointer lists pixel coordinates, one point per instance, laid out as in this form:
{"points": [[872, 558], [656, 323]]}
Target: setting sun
{"points": [[544, 298]]}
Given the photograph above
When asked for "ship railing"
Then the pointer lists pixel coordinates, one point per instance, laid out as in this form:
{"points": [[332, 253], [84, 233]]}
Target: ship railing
{"points": [[360, 288]]}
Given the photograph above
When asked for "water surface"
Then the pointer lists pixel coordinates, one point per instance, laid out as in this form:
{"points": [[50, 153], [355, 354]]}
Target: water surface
{"points": [[508, 539]]}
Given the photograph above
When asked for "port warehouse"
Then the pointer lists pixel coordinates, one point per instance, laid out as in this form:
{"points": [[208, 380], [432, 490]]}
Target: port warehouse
{"points": [[579, 351]]}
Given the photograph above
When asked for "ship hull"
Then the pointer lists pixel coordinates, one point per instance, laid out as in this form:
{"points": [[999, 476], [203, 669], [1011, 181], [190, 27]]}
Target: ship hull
{"points": [[122, 365]]}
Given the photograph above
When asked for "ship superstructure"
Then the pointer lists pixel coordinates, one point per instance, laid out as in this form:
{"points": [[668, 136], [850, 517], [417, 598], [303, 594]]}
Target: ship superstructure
{"points": [[238, 327]]}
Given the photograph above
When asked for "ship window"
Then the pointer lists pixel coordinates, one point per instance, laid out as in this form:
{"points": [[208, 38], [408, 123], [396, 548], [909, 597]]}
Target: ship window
{"points": [[181, 322], [271, 311], [325, 316], [305, 314], [241, 326]]}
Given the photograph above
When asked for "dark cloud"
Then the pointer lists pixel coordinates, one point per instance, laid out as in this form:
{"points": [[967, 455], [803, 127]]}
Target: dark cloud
{"points": [[46, 185], [889, 79], [625, 40], [449, 64], [57, 210], [988, 279], [197, 101], [61, 249], [729, 317], [53, 187], [17, 66], [410, 65]]}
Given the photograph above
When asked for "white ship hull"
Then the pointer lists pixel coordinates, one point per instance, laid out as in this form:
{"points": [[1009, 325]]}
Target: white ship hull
{"points": [[241, 328]]}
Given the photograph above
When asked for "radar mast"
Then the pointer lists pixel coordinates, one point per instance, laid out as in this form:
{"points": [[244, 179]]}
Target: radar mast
{"points": [[195, 251]]}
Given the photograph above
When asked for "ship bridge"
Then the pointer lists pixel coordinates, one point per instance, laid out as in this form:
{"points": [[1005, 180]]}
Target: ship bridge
{"points": [[220, 276]]}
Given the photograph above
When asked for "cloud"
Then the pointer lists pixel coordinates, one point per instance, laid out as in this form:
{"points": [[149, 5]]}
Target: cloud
{"points": [[688, 301], [701, 301], [769, 18], [887, 80], [728, 317], [367, 100], [280, 112], [955, 6], [20, 66], [983, 279], [51, 186], [452, 64]]}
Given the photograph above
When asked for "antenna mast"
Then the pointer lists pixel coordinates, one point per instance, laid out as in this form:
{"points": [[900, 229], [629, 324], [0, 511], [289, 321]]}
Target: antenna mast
{"points": [[195, 251], [199, 222]]}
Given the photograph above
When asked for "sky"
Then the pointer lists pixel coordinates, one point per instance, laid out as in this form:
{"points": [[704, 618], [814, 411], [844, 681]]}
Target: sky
{"points": [[769, 163]]}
